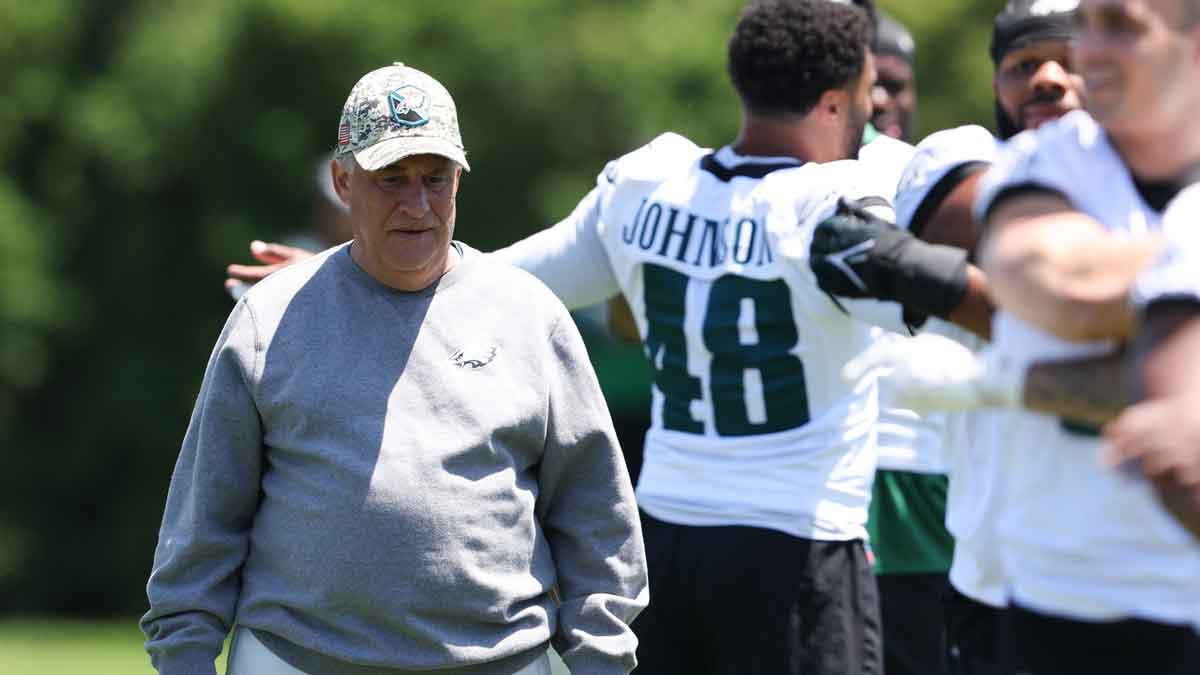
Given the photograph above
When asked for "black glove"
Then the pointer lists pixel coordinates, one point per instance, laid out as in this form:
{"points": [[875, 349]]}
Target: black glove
{"points": [[856, 254]]}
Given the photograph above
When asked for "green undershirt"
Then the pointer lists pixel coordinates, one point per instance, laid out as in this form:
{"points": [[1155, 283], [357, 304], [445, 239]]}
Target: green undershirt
{"points": [[907, 523]]}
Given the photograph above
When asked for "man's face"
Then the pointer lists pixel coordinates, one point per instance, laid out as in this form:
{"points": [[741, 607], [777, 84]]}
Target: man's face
{"points": [[894, 96], [859, 106], [1139, 62], [402, 217], [1035, 83]]}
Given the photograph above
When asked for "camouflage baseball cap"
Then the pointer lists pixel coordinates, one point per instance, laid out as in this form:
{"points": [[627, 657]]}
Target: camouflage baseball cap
{"points": [[396, 112]]}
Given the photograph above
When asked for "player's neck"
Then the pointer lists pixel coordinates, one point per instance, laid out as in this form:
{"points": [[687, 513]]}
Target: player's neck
{"points": [[1157, 156], [787, 137]]}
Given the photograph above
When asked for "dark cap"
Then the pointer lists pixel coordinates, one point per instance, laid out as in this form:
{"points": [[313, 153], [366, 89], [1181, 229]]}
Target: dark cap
{"points": [[891, 37], [867, 6], [1027, 21]]}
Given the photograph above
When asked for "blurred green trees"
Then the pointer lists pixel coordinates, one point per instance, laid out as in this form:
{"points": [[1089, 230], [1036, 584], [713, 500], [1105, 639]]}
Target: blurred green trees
{"points": [[143, 143]]}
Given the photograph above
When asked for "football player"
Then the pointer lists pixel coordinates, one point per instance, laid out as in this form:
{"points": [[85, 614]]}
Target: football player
{"points": [[895, 93], [1033, 83], [759, 461], [1160, 433], [1102, 578]]}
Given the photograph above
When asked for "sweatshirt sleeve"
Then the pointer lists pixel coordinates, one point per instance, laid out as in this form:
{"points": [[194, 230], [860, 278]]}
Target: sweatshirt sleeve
{"points": [[587, 511], [214, 492], [569, 257]]}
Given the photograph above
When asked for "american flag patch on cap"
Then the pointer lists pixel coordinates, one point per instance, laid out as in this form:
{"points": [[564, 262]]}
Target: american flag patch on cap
{"points": [[343, 134]]}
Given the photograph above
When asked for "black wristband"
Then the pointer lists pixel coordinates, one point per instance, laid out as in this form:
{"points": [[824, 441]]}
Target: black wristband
{"points": [[931, 278]]}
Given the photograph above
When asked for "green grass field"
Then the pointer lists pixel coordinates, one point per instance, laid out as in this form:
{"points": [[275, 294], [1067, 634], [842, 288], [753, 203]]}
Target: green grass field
{"points": [[63, 647]]}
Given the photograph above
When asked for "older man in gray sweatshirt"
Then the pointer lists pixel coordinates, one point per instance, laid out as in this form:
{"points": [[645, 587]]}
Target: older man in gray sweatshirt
{"points": [[400, 460]]}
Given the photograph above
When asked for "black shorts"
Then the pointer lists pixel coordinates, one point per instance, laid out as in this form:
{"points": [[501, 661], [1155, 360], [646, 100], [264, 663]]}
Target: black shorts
{"points": [[1047, 645], [752, 601], [914, 629], [976, 637]]}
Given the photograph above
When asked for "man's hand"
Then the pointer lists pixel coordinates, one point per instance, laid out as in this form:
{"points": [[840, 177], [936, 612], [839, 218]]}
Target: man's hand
{"points": [[1162, 436], [931, 373], [273, 256], [856, 254]]}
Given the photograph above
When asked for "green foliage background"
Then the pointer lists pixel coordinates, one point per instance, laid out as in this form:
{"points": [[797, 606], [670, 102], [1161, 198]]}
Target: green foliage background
{"points": [[144, 142]]}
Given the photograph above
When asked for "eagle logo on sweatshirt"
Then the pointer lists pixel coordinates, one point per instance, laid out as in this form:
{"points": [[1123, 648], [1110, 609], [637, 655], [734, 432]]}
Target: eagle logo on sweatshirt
{"points": [[474, 357]]}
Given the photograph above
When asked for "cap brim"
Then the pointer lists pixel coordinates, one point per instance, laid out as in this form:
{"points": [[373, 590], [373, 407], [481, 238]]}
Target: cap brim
{"points": [[392, 150]]}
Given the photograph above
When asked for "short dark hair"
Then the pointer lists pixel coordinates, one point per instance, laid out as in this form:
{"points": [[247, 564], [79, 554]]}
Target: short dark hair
{"points": [[872, 11], [784, 54]]}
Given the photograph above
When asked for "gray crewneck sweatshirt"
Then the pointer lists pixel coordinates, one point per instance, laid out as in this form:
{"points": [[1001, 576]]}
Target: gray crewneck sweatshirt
{"points": [[377, 481]]}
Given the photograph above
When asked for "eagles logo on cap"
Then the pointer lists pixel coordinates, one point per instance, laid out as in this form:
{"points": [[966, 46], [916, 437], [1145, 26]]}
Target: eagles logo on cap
{"points": [[408, 105]]}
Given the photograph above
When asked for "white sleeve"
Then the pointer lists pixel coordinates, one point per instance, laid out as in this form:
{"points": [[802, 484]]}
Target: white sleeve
{"points": [[1054, 157], [569, 257], [1176, 273]]}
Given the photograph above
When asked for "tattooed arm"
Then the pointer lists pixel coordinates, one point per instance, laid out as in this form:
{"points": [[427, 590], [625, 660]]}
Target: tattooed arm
{"points": [[1091, 390]]}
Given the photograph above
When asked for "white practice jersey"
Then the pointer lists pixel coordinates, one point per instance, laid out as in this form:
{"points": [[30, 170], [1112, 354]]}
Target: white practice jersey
{"points": [[905, 440], [1176, 273], [1081, 540], [751, 422], [973, 441], [887, 157]]}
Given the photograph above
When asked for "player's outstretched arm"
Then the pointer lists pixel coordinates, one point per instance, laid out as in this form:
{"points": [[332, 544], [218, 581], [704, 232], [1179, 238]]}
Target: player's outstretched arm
{"points": [[856, 254], [569, 256], [1086, 391], [932, 373], [272, 256], [1058, 269]]}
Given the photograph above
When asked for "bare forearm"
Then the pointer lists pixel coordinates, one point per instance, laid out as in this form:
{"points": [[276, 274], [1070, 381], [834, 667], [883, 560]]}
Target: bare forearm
{"points": [[974, 313], [1080, 294], [1060, 271], [1093, 390], [1165, 351]]}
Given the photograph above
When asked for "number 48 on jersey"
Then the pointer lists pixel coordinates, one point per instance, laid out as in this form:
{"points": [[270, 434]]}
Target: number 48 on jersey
{"points": [[756, 384]]}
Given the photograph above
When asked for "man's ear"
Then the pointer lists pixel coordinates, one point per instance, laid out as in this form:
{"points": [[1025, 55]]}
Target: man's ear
{"points": [[833, 104], [341, 181]]}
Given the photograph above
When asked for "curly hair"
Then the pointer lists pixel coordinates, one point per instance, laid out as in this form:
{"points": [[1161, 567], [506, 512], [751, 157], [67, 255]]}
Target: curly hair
{"points": [[784, 54]]}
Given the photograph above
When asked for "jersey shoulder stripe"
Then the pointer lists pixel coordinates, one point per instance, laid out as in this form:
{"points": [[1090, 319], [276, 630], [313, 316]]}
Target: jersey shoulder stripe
{"points": [[937, 157]]}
